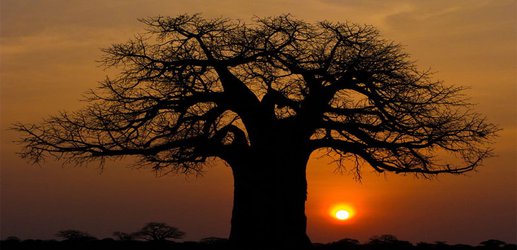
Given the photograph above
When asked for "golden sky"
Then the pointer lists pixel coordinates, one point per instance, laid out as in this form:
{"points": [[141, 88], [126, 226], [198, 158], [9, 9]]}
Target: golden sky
{"points": [[48, 53]]}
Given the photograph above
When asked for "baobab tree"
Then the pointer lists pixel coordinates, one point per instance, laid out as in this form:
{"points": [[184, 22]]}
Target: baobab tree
{"points": [[262, 97]]}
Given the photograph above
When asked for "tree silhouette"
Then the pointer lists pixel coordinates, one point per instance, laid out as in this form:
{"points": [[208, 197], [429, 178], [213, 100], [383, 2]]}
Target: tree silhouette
{"points": [[345, 243], [74, 235], [155, 231], [388, 241], [124, 236], [263, 97], [12, 239], [493, 244]]}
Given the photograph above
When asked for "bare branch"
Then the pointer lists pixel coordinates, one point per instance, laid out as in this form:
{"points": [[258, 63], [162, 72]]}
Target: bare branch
{"points": [[192, 88]]}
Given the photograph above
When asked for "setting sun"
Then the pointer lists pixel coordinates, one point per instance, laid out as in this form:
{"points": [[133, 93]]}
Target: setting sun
{"points": [[342, 215], [342, 212]]}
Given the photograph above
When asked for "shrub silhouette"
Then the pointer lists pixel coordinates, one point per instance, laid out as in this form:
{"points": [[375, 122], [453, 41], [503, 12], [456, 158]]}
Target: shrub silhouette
{"points": [[388, 241], [124, 236], [493, 244], [74, 235], [12, 239], [346, 242]]}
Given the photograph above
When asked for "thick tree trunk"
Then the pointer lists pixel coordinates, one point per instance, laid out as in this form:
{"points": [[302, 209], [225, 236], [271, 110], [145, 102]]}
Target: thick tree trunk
{"points": [[270, 190]]}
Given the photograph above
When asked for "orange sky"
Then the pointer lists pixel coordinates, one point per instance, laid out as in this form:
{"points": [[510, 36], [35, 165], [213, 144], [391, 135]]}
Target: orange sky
{"points": [[47, 61]]}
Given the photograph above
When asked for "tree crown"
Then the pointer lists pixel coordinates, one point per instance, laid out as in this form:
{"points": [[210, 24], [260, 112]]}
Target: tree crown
{"points": [[157, 231], [74, 235], [192, 88]]}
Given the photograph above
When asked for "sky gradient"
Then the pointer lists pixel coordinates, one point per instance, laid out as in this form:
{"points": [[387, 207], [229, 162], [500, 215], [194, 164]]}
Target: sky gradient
{"points": [[48, 53]]}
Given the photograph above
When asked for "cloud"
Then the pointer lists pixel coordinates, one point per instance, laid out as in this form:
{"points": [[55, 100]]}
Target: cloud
{"points": [[453, 16]]}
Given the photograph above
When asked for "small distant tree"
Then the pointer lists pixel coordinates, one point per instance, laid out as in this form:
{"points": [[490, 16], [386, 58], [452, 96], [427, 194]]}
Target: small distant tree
{"points": [[12, 239], [124, 236], [74, 235], [492, 243], [388, 240], [155, 231], [346, 243]]}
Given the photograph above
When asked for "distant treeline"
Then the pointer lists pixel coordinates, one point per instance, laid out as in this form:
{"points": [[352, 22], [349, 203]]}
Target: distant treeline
{"points": [[160, 236], [385, 242]]}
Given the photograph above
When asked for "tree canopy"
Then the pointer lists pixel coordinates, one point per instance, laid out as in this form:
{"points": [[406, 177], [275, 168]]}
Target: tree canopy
{"points": [[74, 235], [156, 231], [191, 88]]}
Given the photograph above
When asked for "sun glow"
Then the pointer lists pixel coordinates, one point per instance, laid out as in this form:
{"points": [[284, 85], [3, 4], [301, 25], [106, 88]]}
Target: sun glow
{"points": [[342, 212], [342, 215]]}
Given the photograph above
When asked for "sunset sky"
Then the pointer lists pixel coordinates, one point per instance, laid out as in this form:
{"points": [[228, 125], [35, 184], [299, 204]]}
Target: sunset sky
{"points": [[48, 53]]}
